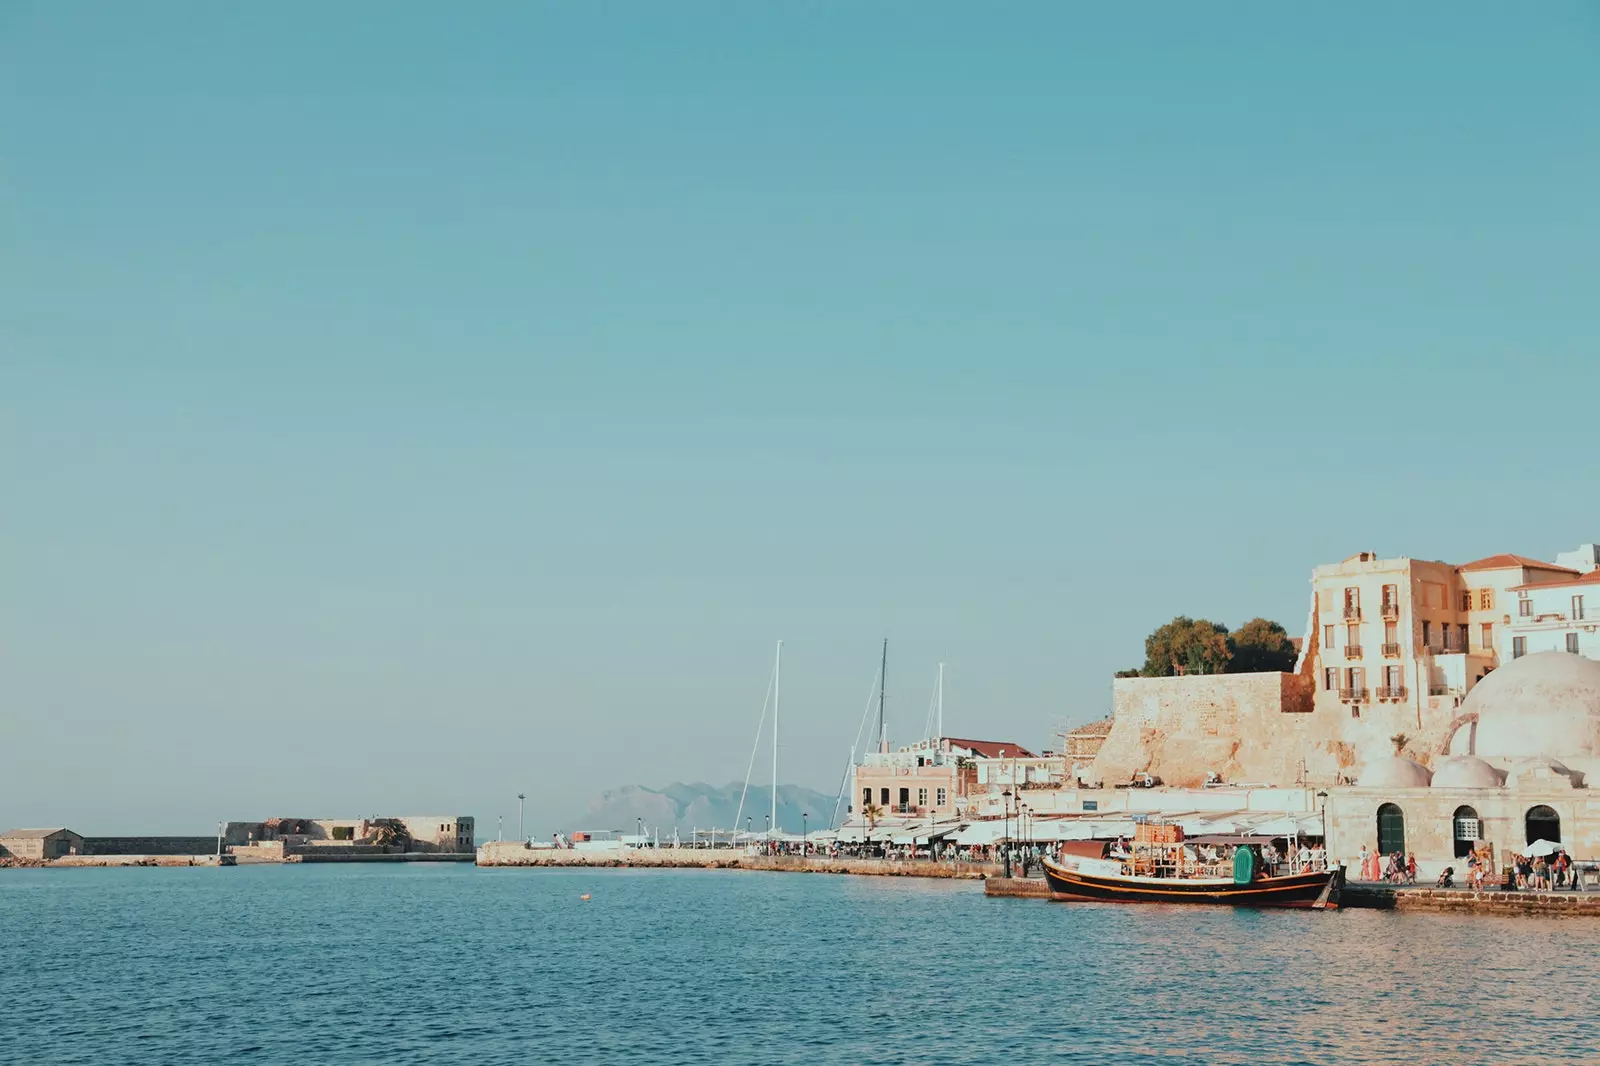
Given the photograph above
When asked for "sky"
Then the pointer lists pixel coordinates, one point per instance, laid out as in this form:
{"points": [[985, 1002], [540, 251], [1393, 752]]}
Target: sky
{"points": [[402, 407]]}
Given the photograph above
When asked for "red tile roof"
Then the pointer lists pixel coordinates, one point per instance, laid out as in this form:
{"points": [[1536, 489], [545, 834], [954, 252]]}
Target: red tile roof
{"points": [[1509, 562], [991, 749], [1591, 578]]}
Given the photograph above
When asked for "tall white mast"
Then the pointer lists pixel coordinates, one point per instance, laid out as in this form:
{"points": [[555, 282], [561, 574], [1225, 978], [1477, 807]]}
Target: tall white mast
{"points": [[777, 682], [938, 731]]}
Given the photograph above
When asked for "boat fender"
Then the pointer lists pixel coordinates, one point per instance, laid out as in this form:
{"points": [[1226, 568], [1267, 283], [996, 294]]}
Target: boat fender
{"points": [[1244, 866]]}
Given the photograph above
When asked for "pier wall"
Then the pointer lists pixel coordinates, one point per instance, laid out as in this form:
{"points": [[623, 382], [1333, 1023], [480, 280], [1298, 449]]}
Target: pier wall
{"points": [[1457, 901], [206, 845]]}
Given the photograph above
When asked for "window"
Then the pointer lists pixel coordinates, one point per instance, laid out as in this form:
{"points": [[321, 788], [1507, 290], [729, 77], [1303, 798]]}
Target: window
{"points": [[1393, 678], [1352, 602], [1391, 829], [1330, 678], [1486, 641], [1391, 633], [1465, 827], [1519, 647], [866, 797], [922, 797], [1427, 633], [1577, 608], [1391, 598], [1352, 636], [1524, 607], [1461, 637], [943, 796], [905, 797], [1542, 823], [1572, 643], [885, 794], [1327, 637], [1358, 678], [1466, 600], [1486, 599]]}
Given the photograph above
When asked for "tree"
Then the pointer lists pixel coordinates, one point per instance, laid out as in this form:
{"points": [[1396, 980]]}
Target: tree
{"points": [[1260, 647], [1186, 646], [871, 812]]}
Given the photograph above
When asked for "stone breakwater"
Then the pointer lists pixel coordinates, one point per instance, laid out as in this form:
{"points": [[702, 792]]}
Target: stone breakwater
{"points": [[118, 860], [1465, 901], [513, 853]]}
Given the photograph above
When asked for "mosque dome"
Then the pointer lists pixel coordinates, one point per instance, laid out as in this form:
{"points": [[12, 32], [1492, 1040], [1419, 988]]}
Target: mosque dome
{"points": [[1393, 771], [1465, 771], [1542, 704], [1539, 771]]}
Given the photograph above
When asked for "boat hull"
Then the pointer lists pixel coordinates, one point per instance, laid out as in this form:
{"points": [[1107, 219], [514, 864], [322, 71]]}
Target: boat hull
{"points": [[1304, 891]]}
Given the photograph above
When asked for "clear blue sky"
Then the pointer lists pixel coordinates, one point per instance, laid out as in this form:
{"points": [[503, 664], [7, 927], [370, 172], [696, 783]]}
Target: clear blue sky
{"points": [[401, 407]]}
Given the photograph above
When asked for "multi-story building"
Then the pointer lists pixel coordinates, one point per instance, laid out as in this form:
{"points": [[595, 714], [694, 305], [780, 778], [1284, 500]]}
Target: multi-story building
{"points": [[1561, 615], [929, 778]]}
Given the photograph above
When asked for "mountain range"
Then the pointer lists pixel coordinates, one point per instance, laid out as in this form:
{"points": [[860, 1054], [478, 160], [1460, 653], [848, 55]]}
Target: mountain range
{"points": [[699, 805]]}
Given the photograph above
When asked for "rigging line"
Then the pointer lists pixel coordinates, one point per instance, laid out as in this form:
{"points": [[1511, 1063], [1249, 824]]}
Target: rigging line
{"points": [[933, 701], [755, 747], [850, 760]]}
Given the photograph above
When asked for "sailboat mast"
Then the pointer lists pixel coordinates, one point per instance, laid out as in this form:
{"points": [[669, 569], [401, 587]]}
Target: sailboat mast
{"points": [[777, 682], [938, 730], [883, 686]]}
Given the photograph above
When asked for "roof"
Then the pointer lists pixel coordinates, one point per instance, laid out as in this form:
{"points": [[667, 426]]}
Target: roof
{"points": [[32, 834], [991, 749], [1509, 562], [1591, 578]]}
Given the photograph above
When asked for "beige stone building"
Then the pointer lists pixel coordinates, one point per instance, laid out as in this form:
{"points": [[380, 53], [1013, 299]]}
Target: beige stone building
{"points": [[1517, 765], [40, 843]]}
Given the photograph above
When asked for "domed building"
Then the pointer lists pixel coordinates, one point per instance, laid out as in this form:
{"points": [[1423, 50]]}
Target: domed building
{"points": [[1515, 766]]}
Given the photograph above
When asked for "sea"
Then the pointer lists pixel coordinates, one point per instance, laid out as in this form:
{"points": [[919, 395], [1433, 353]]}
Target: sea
{"points": [[445, 963]]}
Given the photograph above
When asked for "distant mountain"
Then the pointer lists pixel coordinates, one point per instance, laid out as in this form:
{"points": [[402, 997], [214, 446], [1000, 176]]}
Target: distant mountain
{"points": [[690, 806]]}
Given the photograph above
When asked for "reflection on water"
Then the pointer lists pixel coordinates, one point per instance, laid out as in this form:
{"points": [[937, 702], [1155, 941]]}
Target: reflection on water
{"points": [[451, 964]]}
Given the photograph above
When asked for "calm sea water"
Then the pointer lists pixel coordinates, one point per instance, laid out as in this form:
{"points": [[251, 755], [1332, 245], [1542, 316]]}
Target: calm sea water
{"points": [[453, 964]]}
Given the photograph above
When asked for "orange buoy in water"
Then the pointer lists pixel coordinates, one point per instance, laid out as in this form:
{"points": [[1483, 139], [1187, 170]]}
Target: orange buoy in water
{"points": [[584, 897]]}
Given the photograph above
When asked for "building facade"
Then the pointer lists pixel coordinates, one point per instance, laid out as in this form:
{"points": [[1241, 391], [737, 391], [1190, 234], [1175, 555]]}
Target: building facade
{"points": [[40, 843], [1562, 615], [930, 778]]}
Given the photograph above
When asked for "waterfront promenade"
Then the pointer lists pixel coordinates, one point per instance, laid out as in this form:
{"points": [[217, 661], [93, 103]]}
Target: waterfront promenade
{"points": [[515, 853]]}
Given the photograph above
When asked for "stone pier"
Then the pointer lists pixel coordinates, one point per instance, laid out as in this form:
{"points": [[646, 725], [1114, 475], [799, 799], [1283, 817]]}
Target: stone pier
{"points": [[515, 853]]}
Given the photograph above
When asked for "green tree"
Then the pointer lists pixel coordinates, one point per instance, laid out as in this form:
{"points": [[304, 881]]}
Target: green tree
{"points": [[1186, 646], [1260, 647]]}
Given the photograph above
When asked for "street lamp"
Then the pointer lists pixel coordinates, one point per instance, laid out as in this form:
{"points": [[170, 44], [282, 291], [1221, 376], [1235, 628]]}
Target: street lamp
{"points": [[768, 818], [1323, 807], [805, 833], [1006, 796], [520, 835], [641, 831]]}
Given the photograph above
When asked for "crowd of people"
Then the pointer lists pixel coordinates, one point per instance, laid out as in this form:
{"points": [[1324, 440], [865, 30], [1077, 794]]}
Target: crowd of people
{"points": [[1534, 873]]}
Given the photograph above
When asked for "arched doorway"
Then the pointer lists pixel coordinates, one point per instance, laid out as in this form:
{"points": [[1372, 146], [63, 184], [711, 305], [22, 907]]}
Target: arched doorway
{"points": [[1466, 829], [1542, 823], [1391, 829]]}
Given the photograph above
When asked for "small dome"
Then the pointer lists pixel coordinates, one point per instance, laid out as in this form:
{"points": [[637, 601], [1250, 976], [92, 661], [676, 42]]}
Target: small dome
{"points": [[1394, 771], [1466, 771], [1542, 704], [1539, 771]]}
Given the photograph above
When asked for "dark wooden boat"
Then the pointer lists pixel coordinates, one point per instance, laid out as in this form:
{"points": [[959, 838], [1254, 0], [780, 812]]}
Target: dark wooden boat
{"points": [[1313, 890]]}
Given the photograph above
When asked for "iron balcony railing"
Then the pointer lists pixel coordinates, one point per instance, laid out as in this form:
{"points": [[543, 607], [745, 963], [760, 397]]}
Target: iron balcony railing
{"points": [[1391, 651], [1438, 690], [1391, 612], [1353, 695], [1352, 651], [1392, 692], [1352, 613]]}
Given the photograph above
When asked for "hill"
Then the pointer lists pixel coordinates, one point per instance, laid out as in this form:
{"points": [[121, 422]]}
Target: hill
{"points": [[703, 806]]}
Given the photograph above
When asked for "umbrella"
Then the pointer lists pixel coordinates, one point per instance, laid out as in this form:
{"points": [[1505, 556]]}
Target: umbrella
{"points": [[1541, 847]]}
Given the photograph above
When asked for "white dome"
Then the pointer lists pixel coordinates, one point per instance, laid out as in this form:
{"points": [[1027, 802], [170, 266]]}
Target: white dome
{"points": [[1542, 704], [1539, 771], [1465, 771], [1394, 771]]}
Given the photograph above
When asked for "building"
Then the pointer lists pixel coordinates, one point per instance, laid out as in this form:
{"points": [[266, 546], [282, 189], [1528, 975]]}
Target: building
{"points": [[1516, 765], [40, 843], [1562, 615], [447, 833], [929, 778]]}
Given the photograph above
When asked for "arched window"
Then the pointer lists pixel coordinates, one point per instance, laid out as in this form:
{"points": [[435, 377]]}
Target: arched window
{"points": [[1466, 830], [1391, 829], [1542, 823]]}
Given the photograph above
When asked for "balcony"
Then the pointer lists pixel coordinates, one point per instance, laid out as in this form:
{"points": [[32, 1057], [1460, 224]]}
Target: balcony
{"points": [[1352, 612], [1391, 651], [1392, 692], [1353, 695], [1391, 612], [1352, 651], [1438, 690]]}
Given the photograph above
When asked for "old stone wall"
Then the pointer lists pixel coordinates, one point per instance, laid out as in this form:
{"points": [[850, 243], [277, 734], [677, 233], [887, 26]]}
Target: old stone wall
{"points": [[206, 845]]}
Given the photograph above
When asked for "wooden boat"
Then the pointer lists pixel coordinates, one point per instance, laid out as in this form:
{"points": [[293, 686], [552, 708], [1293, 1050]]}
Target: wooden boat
{"points": [[1162, 867], [1316, 889]]}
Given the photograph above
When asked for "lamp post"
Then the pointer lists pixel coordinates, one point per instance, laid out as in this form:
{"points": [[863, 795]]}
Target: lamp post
{"points": [[1322, 807], [1006, 796], [768, 817], [640, 822], [520, 835], [805, 833]]}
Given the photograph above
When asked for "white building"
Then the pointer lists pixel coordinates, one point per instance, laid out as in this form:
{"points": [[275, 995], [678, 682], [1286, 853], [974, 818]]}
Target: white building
{"points": [[1556, 616]]}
